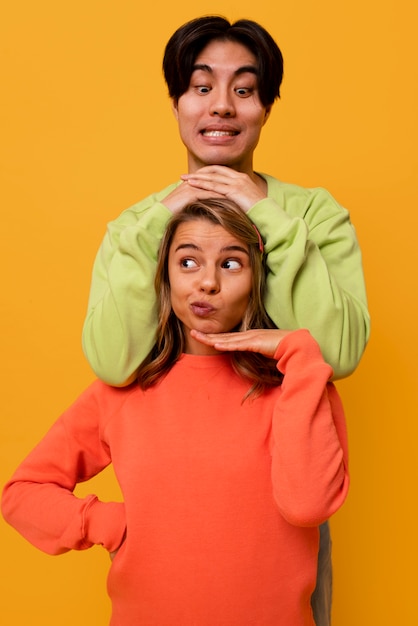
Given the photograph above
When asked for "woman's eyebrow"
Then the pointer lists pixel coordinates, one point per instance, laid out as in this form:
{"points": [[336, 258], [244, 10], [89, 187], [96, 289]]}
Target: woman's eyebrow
{"points": [[193, 246], [234, 249], [182, 246]]}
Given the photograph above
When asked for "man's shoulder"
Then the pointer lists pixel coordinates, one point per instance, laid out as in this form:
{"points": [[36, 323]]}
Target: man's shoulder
{"points": [[132, 214], [297, 199], [276, 186], [152, 198]]}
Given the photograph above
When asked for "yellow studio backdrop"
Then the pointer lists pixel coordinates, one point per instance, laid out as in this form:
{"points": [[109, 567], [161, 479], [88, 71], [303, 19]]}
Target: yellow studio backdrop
{"points": [[87, 131]]}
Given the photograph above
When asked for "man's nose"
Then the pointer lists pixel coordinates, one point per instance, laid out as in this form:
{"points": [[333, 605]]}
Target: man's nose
{"points": [[222, 104]]}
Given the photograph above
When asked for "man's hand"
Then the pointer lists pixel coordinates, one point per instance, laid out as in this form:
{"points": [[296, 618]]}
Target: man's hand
{"points": [[224, 181], [216, 181], [186, 194]]}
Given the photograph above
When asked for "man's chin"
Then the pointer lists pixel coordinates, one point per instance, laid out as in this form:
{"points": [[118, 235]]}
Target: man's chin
{"points": [[220, 159]]}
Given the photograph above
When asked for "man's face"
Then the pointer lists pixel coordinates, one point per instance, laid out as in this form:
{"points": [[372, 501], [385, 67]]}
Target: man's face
{"points": [[220, 116]]}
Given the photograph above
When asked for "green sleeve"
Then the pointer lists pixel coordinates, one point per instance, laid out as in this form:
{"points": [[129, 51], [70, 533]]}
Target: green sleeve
{"points": [[315, 278], [119, 329]]}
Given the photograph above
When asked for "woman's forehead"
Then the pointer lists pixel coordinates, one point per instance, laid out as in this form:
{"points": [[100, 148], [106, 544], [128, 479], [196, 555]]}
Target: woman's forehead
{"points": [[203, 234]]}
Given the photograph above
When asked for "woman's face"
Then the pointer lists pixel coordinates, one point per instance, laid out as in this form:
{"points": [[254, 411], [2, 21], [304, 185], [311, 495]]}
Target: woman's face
{"points": [[210, 280]]}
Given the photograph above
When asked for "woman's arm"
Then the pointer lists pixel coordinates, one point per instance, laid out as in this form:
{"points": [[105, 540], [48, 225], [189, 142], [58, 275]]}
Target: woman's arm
{"points": [[38, 501], [310, 455]]}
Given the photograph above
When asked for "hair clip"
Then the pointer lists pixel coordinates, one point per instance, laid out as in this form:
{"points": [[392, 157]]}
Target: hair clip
{"points": [[260, 241]]}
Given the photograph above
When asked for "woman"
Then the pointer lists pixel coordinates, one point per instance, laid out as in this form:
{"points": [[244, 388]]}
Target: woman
{"points": [[230, 450]]}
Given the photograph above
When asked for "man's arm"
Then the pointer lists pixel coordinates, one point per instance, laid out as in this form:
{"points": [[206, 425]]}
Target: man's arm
{"points": [[315, 277], [119, 329], [315, 280]]}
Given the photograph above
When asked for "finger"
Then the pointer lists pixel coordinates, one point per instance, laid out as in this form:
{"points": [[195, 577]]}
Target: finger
{"points": [[242, 191], [211, 338], [209, 183], [228, 341], [217, 173], [223, 170], [186, 194]]}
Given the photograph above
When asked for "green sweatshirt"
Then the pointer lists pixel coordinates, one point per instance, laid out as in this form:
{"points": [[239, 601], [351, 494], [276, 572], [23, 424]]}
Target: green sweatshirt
{"points": [[315, 279]]}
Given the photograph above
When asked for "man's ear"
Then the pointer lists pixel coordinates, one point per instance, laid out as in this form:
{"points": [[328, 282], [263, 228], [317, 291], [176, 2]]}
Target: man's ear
{"points": [[267, 113], [175, 108]]}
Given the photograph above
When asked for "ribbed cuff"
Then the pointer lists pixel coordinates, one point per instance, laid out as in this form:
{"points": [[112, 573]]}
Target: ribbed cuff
{"points": [[104, 523]]}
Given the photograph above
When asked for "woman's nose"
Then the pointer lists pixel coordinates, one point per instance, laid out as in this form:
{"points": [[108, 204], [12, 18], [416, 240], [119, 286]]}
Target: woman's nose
{"points": [[209, 282]]}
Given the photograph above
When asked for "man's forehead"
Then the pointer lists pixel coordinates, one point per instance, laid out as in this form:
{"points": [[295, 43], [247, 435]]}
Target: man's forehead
{"points": [[231, 54]]}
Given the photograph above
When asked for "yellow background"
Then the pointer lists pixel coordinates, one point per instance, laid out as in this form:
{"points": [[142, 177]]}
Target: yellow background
{"points": [[86, 131]]}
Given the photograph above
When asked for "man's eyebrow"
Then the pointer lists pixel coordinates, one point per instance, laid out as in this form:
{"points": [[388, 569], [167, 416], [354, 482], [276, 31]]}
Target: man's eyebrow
{"points": [[250, 69]]}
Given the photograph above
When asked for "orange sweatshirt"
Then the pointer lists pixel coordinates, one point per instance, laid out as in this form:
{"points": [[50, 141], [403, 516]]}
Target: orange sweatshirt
{"points": [[222, 498]]}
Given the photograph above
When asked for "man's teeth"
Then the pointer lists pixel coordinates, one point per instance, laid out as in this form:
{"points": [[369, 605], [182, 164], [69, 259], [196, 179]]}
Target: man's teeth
{"points": [[218, 133]]}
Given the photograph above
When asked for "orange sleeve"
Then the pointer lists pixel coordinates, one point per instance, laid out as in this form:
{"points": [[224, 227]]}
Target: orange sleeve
{"points": [[39, 501], [310, 456]]}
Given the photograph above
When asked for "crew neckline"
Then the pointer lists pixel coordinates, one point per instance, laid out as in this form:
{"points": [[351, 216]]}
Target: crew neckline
{"points": [[204, 361]]}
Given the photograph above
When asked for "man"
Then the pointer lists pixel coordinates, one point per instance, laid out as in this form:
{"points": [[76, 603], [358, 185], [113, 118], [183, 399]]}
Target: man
{"points": [[223, 80]]}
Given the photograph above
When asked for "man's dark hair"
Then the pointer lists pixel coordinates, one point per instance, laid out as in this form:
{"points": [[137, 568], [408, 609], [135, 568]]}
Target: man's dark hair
{"points": [[190, 39]]}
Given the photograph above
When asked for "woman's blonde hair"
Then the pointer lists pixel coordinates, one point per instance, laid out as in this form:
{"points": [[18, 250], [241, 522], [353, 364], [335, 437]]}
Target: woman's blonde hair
{"points": [[170, 341]]}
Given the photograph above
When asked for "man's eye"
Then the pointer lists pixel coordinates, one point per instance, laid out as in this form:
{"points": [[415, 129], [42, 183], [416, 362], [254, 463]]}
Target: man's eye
{"points": [[202, 89], [244, 91], [232, 264], [188, 263]]}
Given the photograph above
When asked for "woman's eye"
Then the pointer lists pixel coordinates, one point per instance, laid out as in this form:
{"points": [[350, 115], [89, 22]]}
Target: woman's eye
{"points": [[188, 263], [232, 264]]}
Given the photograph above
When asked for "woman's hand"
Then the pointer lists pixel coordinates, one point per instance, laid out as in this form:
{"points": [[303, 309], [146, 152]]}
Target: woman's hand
{"points": [[264, 341], [113, 553]]}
